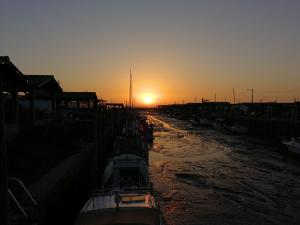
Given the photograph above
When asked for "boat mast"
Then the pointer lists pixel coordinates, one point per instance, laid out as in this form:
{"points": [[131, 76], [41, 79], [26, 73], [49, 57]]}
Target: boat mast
{"points": [[130, 92], [233, 96]]}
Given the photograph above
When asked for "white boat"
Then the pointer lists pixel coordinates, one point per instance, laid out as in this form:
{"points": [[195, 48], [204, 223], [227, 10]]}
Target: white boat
{"points": [[117, 208], [216, 126], [194, 122], [293, 144], [237, 129], [124, 172], [126, 197], [204, 122]]}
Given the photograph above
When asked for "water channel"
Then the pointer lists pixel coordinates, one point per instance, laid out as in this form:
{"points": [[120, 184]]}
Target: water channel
{"points": [[211, 177]]}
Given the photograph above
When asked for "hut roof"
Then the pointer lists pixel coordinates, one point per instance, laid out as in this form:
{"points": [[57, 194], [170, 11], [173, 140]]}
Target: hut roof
{"points": [[79, 96], [11, 76], [44, 83]]}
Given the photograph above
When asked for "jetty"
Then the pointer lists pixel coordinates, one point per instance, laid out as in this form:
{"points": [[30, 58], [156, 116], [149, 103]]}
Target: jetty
{"points": [[55, 145]]}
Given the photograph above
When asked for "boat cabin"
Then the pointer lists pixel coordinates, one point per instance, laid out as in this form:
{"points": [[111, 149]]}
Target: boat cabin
{"points": [[124, 172]]}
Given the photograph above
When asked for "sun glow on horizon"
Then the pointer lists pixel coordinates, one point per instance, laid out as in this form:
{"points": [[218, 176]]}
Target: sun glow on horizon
{"points": [[148, 99]]}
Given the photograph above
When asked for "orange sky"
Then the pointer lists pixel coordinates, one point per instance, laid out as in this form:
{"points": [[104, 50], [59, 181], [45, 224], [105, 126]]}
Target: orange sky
{"points": [[177, 50]]}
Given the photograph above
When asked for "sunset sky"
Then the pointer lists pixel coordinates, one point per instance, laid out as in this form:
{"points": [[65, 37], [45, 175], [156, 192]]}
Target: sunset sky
{"points": [[177, 50]]}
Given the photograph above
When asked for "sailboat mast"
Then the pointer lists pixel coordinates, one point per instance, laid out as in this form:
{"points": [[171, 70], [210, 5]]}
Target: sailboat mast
{"points": [[130, 92]]}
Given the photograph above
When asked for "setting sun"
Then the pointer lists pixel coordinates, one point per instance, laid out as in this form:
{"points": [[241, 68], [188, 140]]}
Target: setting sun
{"points": [[148, 99]]}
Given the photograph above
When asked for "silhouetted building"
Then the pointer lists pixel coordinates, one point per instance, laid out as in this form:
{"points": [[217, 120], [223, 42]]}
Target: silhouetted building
{"points": [[44, 91]]}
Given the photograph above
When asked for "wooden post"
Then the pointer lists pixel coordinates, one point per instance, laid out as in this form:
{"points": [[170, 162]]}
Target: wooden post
{"points": [[16, 107], [96, 141], [32, 106], [4, 204], [58, 105], [53, 104]]}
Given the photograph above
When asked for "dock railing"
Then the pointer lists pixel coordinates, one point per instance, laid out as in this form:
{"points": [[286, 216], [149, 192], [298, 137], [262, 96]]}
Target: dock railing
{"points": [[28, 216]]}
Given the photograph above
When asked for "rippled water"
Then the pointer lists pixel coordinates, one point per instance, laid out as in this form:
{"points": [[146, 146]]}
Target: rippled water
{"points": [[209, 177]]}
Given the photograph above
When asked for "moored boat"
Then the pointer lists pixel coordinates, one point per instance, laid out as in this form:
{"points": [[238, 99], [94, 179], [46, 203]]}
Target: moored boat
{"points": [[204, 122], [127, 196], [237, 129], [194, 122], [138, 207], [292, 144]]}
